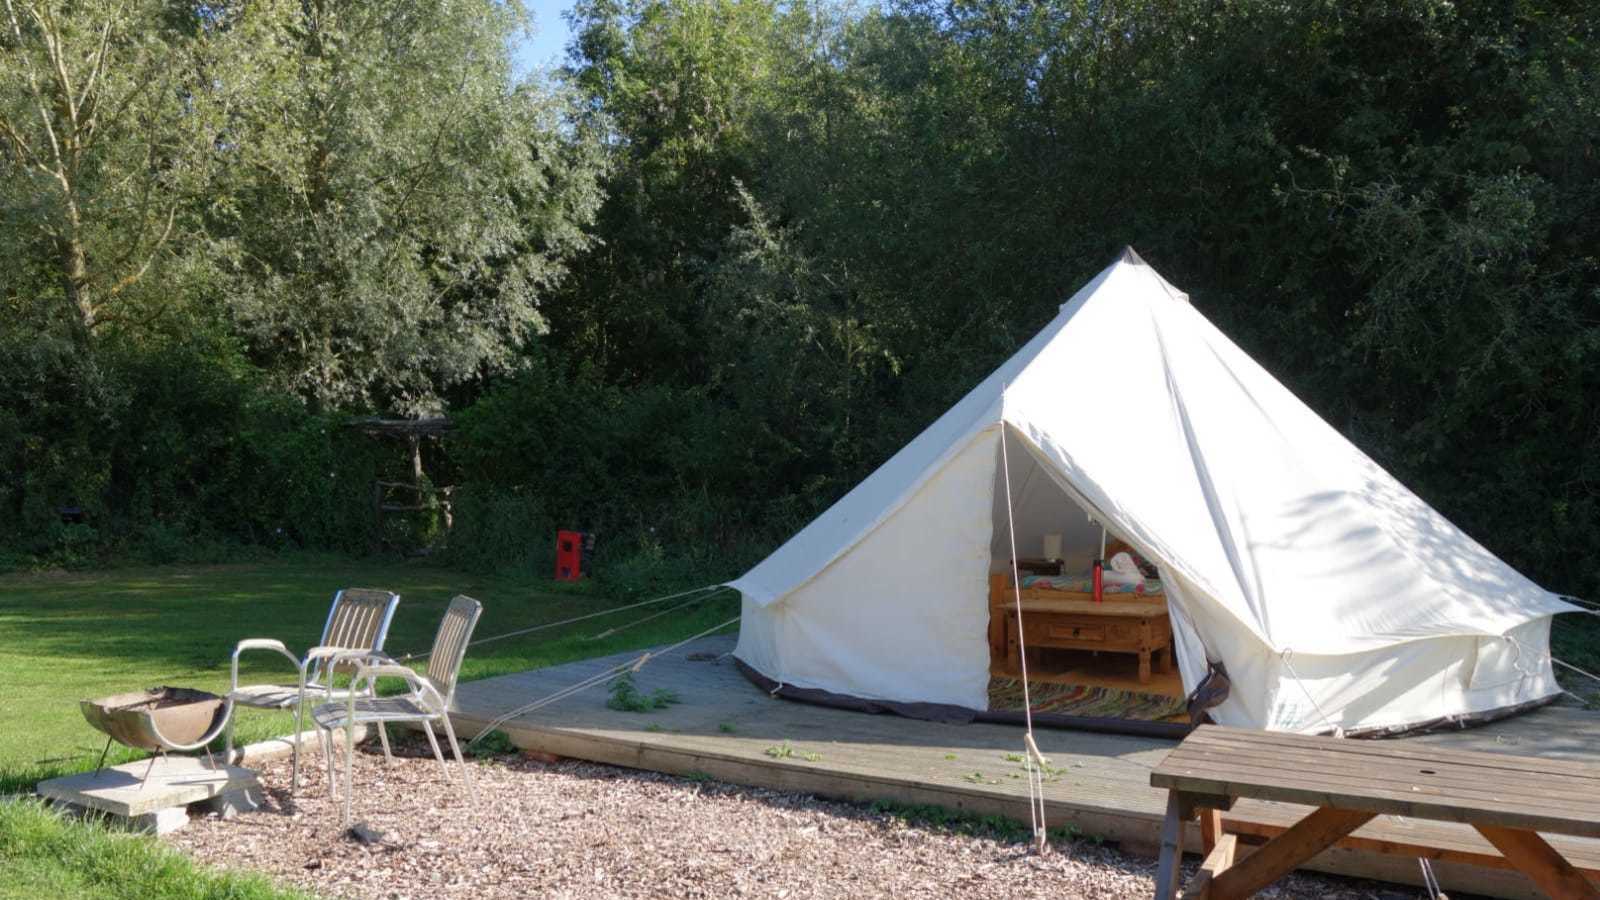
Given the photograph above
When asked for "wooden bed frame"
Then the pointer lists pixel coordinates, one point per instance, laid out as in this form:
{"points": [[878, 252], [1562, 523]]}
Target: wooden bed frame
{"points": [[1072, 620]]}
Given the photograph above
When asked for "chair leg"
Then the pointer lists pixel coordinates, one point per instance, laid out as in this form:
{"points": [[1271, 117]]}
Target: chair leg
{"points": [[294, 752], [227, 740], [466, 777], [427, 728], [325, 738], [383, 727], [330, 747], [349, 769], [383, 738]]}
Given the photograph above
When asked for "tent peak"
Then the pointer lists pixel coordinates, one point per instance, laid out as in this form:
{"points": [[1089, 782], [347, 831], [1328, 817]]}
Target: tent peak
{"points": [[1131, 257]]}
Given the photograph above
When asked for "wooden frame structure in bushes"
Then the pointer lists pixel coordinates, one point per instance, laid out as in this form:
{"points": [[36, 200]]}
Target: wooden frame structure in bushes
{"points": [[420, 491]]}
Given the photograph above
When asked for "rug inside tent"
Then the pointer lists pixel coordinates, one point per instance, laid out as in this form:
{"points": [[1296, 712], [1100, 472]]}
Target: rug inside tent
{"points": [[1082, 700]]}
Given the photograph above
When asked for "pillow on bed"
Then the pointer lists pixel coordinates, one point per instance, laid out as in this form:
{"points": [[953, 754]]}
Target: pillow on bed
{"points": [[1117, 545]]}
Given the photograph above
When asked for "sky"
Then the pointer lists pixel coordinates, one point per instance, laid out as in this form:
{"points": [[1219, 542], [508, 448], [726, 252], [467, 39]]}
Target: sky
{"points": [[548, 44]]}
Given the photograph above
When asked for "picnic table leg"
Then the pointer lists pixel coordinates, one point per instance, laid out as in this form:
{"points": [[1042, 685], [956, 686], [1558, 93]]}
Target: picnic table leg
{"points": [[1210, 828], [1539, 861], [1219, 850], [1279, 856], [1170, 870], [1216, 862]]}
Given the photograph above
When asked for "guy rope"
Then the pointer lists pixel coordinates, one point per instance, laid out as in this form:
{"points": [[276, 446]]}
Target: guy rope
{"points": [[1593, 609], [699, 594], [695, 595], [1033, 759], [632, 665]]}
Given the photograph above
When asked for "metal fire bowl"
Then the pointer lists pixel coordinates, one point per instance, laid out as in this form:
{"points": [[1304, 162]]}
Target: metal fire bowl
{"points": [[159, 719]]}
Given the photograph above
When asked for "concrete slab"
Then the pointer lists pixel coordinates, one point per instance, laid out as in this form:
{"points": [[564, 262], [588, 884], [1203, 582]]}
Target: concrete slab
{"points": [[283, 745], [174, 782], [161, 821]]}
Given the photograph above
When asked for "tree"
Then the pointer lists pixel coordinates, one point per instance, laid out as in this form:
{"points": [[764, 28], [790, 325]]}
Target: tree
{"points": [[793, 360], [678, 84], [104, 118], [395, 205]]}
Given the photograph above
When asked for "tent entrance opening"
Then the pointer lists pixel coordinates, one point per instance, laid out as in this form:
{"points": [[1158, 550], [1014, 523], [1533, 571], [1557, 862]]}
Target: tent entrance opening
{"points": [[1106, 653]]}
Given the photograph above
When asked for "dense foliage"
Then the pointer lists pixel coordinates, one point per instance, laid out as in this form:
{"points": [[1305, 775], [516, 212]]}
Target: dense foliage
{"points": [[228, 226], [748, 248]]}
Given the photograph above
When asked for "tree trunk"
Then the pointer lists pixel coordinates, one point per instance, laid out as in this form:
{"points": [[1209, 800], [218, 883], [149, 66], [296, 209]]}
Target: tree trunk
{"points": [[75, 271]]}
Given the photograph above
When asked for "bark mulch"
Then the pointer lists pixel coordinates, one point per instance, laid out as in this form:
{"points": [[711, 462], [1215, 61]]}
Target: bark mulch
{"points": [[574, 829]]}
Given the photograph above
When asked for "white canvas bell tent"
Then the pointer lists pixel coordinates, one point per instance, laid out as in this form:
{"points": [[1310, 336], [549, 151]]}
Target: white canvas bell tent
{"points": [[1333, 596]]}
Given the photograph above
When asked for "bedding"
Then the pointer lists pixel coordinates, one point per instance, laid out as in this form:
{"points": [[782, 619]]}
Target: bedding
{"points": [[1085, 584]]}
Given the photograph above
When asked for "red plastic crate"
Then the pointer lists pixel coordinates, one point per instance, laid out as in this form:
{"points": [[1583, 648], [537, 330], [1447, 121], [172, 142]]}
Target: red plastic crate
{"points": [[569, 555]]}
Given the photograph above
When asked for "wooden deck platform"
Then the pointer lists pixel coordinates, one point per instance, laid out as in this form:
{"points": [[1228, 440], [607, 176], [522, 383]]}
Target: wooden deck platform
{"points": [[723, 726]]}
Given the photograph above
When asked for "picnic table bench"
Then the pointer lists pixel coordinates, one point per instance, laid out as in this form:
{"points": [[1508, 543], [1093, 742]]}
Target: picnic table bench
{"points": [[1507, 799]]}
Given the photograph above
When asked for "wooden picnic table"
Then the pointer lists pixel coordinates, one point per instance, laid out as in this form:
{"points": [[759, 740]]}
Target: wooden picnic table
{"points": [[1508, 799]]}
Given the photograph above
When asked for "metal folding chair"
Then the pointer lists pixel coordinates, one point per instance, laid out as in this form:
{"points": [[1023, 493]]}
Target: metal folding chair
{"points": [[427, 701], [358, 620]]}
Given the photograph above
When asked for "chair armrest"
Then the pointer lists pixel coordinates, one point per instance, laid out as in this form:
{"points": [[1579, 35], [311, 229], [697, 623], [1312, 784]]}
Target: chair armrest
{"points": [[260, 644], [340, 654], [255, 644], [388, 669], [332, 656], [421, 688]]}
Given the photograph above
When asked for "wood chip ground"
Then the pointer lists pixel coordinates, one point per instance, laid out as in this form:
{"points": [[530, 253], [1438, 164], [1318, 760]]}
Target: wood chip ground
{"points": [[581, 830]]}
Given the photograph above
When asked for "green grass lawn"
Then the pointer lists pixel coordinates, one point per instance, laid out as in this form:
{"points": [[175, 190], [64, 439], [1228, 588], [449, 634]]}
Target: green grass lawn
{"points": [[73, 636], [43, 854], [70, 636]]}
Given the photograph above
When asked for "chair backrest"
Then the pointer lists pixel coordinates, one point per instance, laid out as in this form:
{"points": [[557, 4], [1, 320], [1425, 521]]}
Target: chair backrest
{"points": [[358, 620], [450, 645]]}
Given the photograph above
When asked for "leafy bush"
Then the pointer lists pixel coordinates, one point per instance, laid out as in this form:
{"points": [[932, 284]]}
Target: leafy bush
{"points": [[55, 410], [625, 696], [499, 530], [648, 470], [174, 451], [495, 743]]}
